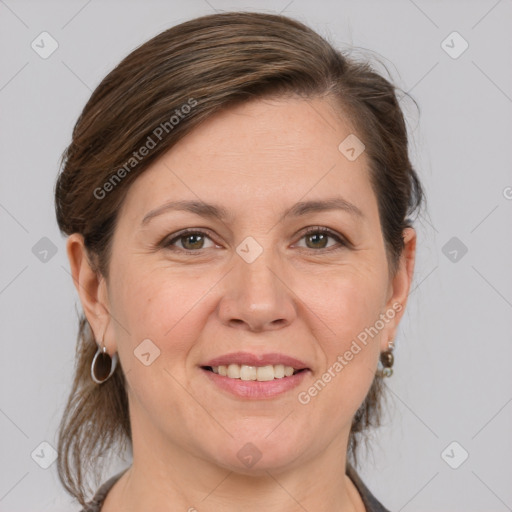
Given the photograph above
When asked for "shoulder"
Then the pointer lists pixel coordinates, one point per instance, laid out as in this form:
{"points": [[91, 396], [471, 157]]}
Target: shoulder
{"points": [[97, 501], [370, 501]]}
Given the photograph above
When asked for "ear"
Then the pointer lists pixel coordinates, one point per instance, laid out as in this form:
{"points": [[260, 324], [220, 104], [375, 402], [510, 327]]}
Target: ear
{"points": [[91, 287], [400, 285]]}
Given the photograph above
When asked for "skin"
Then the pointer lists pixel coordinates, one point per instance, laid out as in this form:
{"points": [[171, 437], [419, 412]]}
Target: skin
{"points": [[297, 298]]}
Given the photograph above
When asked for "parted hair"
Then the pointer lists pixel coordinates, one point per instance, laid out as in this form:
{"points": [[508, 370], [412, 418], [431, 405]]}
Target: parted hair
{"points": [[208, 64]]}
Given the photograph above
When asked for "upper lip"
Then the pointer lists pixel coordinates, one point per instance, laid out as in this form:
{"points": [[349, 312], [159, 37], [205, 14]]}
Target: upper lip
{"points": [[249, 359]]}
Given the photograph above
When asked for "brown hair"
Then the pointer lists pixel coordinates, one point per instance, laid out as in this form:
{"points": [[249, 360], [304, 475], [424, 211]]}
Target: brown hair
{"points": [[189, 72]]}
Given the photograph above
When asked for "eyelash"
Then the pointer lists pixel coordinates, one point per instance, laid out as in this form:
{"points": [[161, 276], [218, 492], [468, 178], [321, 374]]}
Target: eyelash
{"points": [[167, 243]]}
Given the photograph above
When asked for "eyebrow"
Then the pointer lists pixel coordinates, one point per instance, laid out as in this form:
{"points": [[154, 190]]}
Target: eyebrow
{"points": [[219, 212]]}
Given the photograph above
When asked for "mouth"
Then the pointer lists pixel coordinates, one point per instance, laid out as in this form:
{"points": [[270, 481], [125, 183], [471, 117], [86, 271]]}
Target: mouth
{"points": [[255, 376], [258, 373]]}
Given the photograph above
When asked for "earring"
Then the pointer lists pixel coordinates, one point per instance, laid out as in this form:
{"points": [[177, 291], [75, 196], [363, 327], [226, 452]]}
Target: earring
{"points": [[103, 366], [387, 360]]}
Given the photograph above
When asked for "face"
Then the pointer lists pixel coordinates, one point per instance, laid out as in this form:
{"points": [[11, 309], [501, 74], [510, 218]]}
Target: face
{"points": [[264, 277]]}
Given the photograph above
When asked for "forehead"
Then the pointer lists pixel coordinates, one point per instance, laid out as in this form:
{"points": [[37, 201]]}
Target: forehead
{"points": [[276, 152]]}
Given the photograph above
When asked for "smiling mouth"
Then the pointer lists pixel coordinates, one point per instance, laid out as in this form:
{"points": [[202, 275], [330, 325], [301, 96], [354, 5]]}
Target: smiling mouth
{"points": [[258, 373]]}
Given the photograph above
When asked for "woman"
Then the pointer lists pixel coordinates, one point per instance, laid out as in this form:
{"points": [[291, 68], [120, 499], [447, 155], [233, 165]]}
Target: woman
{"points": [[236, 196]]}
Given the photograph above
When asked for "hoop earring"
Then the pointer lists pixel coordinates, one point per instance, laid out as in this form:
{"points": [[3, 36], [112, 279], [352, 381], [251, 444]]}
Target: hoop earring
{"points": [[387, 360], [103, 365]]}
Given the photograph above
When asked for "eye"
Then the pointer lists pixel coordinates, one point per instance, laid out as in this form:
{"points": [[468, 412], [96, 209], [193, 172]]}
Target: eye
{"points": [[316, 238], [190, 240]]}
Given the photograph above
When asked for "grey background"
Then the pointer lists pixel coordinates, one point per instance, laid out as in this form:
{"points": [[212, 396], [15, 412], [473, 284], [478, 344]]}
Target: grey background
{"points": [[452, 378]]}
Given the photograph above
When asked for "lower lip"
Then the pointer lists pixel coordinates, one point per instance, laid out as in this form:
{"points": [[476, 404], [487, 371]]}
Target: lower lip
{"points": [[254, 389]]}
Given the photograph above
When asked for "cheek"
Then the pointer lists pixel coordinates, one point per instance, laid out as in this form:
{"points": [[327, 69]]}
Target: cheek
{"points": [[161, 308], [168, 306], [349, 307], [349, 302], [164, 308], [171, 307]]}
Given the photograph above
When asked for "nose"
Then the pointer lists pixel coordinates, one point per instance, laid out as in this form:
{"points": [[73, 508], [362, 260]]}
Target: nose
{"points": [[256, 296]]}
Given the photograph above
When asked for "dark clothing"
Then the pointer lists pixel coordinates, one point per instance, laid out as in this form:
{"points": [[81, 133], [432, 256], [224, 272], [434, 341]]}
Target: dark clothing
{"points": [[370, 502]]}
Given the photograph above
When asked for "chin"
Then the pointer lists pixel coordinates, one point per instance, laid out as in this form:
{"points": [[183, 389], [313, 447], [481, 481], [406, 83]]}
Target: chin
{"points": [[255, 455]]}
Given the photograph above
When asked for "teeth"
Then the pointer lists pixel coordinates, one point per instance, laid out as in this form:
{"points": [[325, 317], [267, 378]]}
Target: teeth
{"points": [[279, 371], [259, 373], [233, 371], [265, 373]]}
